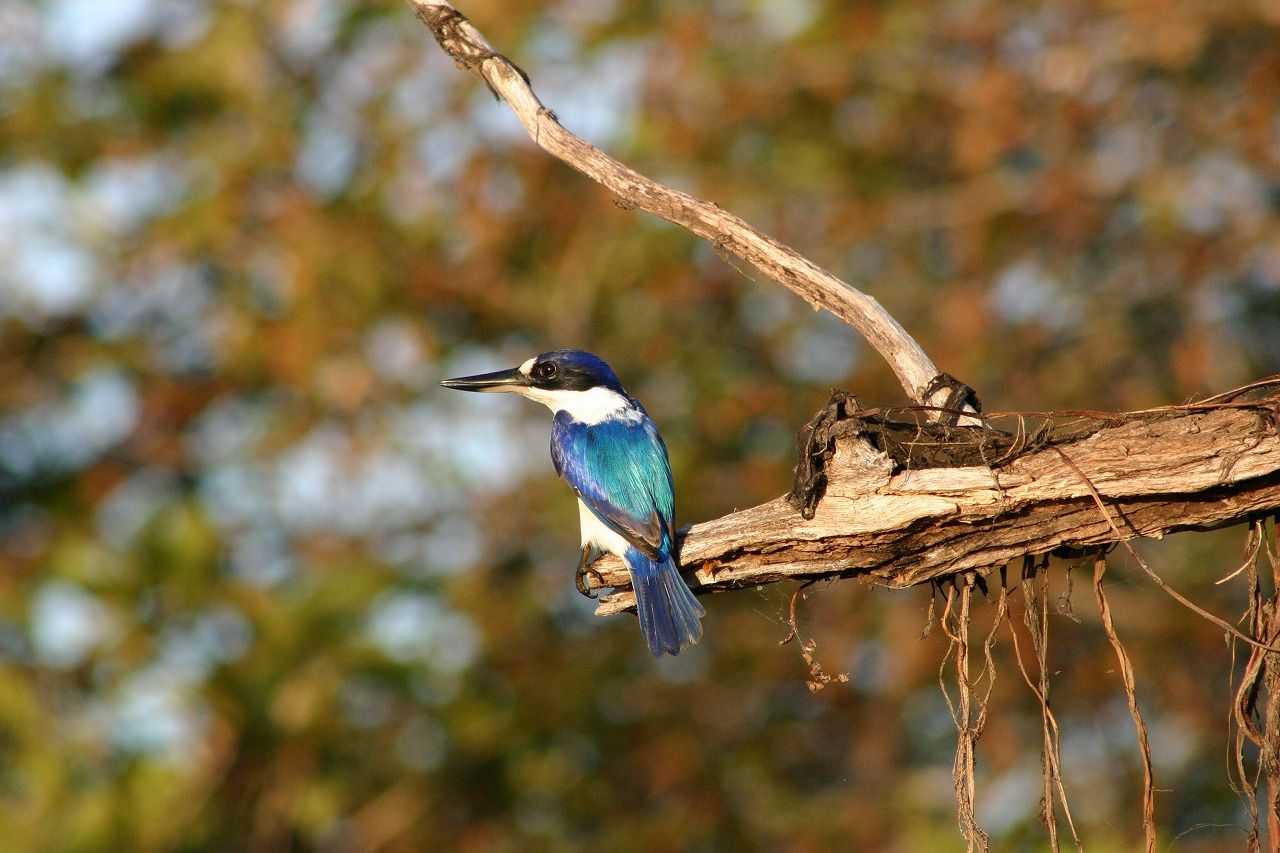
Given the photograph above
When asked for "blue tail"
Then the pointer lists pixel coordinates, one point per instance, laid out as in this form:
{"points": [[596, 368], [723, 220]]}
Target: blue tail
{"points": [[670, 616]]}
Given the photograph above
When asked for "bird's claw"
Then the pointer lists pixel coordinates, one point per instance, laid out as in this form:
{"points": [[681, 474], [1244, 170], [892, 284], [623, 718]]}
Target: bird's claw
{"points": [[584, 569], [585, 588]]}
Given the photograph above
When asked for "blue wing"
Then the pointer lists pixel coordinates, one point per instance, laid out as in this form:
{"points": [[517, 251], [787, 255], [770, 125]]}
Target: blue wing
{"points": [[619, 469]]}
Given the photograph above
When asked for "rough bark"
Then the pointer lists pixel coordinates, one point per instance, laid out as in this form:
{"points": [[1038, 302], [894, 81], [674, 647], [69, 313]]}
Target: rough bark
{"points": [[1190, 468], [1157, 473]]}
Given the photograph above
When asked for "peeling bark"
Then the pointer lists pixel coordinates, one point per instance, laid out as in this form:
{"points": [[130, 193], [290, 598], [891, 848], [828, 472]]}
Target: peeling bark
{"points": [[1158, 472], [1186, 468]]}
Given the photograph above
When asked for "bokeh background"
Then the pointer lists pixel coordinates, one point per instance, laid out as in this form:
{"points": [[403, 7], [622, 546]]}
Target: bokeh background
{"points": [[264, 586]]}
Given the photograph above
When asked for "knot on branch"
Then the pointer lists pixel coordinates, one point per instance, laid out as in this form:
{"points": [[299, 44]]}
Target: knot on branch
{"points": [[815, 443], [461, 42], [910, 444]]}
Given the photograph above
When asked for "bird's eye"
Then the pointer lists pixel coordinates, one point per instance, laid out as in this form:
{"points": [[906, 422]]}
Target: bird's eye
{"points": [[545, 370]]}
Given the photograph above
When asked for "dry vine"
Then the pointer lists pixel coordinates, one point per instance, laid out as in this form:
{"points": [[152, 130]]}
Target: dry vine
{"points": [[1126, 675], [902, 501], [1036, 619], [818, 676], [969, 710], [1256, 720]]}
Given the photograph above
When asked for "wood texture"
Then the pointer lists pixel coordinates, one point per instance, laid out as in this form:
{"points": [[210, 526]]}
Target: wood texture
{"points": [[1157, 475], [1188, 470]]}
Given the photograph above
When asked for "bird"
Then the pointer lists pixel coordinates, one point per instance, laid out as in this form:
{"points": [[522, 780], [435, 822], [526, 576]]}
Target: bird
{"points": [[605, 446]]}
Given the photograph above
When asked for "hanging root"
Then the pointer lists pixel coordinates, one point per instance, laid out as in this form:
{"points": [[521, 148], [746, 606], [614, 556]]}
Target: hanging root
{"points": [[1065, 608], [969, 711], [1126, 675], [1255, 720], [818, 677], [1160, 582], [935, 587], [1261, 675], [1036, 618]]}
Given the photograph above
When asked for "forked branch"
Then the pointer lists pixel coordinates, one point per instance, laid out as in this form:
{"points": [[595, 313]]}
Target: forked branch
{"points": [[1206, 467]]}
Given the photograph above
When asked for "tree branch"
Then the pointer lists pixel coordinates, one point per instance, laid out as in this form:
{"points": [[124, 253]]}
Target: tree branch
{"points": [[1186, 468], [469, 49], [1158, 472]]}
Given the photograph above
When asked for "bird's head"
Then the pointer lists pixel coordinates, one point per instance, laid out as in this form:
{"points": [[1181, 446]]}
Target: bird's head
{"points": [[553, 378]]}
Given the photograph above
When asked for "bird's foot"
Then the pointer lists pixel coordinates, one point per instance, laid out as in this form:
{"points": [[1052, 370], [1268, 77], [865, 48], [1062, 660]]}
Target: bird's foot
{"points": [[589, 556], [585, 588]]}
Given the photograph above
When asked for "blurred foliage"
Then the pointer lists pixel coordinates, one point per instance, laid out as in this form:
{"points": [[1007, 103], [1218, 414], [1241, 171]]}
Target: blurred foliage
{"points": [[263, 586]]}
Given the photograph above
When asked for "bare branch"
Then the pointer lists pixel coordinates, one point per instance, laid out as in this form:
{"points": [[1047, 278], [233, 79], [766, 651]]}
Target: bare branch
{"points": [[1204, 468], [1159, 472], [469, 49], [1160, 582]]}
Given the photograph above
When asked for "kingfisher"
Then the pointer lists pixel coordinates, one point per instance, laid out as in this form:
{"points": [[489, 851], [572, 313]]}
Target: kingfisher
{"points": [[606, 448]]}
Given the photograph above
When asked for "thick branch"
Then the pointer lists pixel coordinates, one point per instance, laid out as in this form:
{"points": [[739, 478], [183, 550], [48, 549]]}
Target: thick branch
{"points": [[1200, 469], [1193, 469], [460, 40]]}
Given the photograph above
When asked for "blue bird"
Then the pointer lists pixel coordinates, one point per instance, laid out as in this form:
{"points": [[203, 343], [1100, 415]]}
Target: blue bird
{"points": [[604, 445]]}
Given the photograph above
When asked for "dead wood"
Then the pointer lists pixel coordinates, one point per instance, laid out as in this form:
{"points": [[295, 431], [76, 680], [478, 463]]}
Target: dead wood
{"points": [[730, 235], [934, 492], [882, 519]]}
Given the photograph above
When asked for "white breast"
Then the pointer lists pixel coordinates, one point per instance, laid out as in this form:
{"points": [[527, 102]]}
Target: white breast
{"points": [[596, 532]]}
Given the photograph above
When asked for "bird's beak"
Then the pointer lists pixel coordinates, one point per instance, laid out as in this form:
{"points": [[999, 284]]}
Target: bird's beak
{"points": [[500, 380]]}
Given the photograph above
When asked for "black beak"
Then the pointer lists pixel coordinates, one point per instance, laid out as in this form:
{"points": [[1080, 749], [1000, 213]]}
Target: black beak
{"points": [[500, 380]]}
